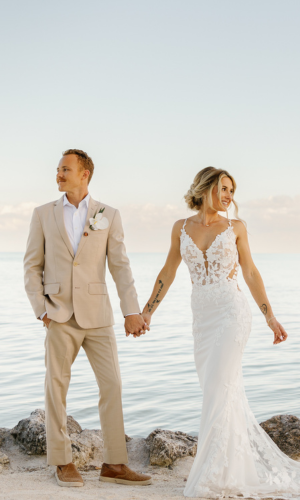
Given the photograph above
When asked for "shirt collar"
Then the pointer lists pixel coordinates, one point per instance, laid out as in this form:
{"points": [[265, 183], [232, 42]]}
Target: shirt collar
{"points": [[85, 201]]}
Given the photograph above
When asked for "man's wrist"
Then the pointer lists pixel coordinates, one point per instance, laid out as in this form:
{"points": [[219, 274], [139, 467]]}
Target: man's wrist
{"points": [[132, 314], [42, 315]]}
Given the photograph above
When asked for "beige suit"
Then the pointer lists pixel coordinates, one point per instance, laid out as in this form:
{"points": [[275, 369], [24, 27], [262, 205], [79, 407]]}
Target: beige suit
{"points": [[72, 289]]}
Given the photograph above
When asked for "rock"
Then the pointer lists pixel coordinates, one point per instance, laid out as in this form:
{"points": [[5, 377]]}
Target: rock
{"points": [[30, 433], [285, 432], [138, 453], [73, 426], [3, 434], [86, 446], [3, 459], [166, 446]]}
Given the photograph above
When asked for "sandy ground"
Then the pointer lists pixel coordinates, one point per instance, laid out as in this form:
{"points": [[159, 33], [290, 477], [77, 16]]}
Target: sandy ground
{"points": [[28, 477]]}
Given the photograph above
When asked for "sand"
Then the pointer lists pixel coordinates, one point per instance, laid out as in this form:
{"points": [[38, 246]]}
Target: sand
{"points": [[28, 477]]}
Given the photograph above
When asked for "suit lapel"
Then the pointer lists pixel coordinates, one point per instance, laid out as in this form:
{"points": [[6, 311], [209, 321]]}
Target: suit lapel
{"points": [[92, 208], [59, 217]]}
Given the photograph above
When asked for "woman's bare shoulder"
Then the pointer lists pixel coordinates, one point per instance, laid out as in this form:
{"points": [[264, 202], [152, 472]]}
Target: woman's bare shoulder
{"points": [[239, 227], [179, 223], [177, 227]]}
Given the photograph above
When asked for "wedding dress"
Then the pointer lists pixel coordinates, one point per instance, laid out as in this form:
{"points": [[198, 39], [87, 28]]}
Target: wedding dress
{"points": [[235, 457]]}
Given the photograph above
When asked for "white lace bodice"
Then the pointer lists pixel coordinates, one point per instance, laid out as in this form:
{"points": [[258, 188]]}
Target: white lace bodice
{"points": [[218, 263]]}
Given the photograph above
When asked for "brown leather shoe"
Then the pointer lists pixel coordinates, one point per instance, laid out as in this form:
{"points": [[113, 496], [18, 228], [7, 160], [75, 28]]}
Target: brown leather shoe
{"points": [[126, 476], [68, 475]]}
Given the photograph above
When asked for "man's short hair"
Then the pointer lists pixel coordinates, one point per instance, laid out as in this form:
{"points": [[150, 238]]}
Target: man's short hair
{"points": [[83, 159]]}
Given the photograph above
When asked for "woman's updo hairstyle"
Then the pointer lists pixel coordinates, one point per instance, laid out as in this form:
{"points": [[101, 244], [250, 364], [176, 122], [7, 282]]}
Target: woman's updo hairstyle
{"points": [[203, 185]]}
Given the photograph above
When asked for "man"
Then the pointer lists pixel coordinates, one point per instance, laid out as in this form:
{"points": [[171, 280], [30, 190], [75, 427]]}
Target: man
{"points": [[68, 244]]}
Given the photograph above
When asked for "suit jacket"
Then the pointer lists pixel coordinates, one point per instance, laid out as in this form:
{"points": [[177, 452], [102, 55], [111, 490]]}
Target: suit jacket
{"points": [[61, 283]]}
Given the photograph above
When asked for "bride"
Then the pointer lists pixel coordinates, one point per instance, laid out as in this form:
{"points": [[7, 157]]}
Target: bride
{"points": [[235, 457]]}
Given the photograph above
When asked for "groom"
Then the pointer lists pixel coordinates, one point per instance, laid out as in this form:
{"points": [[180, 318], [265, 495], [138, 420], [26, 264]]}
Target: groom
{"points": [[68, 245]]}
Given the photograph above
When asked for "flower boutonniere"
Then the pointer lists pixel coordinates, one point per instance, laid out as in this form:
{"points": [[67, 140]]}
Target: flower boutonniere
{"points": [[98, 221]]}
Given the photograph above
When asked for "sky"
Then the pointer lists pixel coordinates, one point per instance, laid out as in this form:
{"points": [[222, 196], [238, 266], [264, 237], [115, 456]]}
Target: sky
{"points": [[153, 91]]}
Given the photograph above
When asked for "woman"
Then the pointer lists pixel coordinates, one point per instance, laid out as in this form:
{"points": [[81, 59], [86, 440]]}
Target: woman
{"points": [[235, 457]]}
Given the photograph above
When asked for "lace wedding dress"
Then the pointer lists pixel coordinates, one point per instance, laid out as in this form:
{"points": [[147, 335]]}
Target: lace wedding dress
{"points": [[235, 456]]}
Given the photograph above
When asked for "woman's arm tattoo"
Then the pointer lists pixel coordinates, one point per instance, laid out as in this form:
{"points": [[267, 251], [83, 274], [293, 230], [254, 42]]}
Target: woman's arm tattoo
{"points": [[156, 301], [264, 309]]}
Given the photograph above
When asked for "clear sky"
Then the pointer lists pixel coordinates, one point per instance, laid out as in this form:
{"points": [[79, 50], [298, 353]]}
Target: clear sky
{"points": [[153, 90]]}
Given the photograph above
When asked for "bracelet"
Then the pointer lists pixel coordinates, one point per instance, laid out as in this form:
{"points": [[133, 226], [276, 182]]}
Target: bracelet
{"points": [[268, 322]]}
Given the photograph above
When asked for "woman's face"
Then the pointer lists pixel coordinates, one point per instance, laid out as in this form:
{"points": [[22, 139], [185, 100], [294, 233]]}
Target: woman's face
{"points": [[226, 195]]}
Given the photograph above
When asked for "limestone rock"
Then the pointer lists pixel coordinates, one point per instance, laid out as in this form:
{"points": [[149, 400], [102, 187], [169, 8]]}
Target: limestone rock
{"points": [[3, 434], [138, 454], [30, 433], [87, 446], [285, 432], [166, 446], [3, 458], [73, 426]]}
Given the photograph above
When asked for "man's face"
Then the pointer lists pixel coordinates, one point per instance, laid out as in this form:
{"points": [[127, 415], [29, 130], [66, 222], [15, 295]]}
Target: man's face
{"points": [[69, 176]]}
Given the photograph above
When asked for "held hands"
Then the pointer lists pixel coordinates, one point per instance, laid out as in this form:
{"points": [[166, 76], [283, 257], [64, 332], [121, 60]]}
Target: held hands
{"points": [[280, 334], [135, 325]]}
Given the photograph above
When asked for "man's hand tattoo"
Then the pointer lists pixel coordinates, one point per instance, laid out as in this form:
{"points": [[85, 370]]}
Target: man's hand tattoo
{"points": [[155, 301], [264, 309]]}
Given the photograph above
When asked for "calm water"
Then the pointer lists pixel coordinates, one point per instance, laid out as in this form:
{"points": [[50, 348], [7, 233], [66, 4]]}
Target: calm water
{"points": [[160, 386]]}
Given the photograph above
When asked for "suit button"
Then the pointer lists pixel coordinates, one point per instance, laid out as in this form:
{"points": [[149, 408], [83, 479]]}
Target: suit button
{"points": [[75, 264], [85, 234]]}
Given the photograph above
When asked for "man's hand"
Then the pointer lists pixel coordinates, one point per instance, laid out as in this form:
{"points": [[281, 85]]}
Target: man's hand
{"points": [[46, 320], [135, 325]]}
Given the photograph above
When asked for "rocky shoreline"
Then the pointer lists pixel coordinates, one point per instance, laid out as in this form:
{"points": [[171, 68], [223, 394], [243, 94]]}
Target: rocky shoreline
{"points": [[165, 454]]}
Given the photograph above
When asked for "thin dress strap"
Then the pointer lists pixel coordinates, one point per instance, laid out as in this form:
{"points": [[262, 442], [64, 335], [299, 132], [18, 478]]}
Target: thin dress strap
{"points": [[183, 227], [229, 222]]}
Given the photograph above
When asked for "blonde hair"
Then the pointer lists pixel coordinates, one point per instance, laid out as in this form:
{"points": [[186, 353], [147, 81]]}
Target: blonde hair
{"points": [[203, 185]]}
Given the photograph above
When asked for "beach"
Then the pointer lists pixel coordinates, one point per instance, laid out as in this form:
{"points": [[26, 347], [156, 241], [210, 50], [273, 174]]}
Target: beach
{"points": [[26, 476]]}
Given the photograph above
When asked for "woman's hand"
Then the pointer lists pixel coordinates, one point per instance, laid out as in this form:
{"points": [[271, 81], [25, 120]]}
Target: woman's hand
{"points": [[279, 332], [146, 317]]}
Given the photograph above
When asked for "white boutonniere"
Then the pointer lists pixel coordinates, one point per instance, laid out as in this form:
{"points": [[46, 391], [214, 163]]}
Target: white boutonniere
{"points": [[98, 221]]}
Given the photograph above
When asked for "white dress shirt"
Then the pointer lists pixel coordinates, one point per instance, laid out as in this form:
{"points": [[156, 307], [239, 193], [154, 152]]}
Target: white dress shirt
{"points": [[75, 219]]}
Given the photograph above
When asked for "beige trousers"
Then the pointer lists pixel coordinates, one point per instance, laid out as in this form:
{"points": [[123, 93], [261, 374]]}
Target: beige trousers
{"points": [[62, 343]]}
